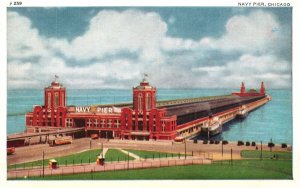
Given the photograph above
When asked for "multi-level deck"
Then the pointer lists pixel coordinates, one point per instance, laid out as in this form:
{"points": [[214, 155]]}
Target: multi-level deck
{"points": [[192, 116]]}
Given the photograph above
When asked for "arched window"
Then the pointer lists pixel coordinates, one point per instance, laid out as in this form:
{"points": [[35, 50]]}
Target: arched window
{"points": [[148, 101], [49, 100], [63, 100], [140, 102], [56, 100]]}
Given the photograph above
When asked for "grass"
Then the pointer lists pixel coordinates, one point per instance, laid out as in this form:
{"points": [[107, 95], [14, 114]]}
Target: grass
{"points": [[78, 158], [153, 154], [266, 154], [241, 169], [116, 155], [251, 168]]}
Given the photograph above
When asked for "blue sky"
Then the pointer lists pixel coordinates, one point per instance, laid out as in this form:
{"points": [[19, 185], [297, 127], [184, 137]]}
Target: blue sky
{"points": [[112, 47]]}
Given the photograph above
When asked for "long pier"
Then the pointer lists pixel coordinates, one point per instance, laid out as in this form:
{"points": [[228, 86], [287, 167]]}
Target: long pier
{"points": [[192, 114], [193, 128]]}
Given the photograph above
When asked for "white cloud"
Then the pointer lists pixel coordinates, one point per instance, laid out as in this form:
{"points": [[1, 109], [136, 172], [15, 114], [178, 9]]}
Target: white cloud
{"points": [[250, 69], [170, 44], [112, 31], [171, 62], [23, 40], [255, 32]]}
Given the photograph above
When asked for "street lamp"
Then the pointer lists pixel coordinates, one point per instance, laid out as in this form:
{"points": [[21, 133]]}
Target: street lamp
{"points": [[222, 145], [231, 156], [128, 161], [271, 145], [184, 148], [207, 134], [102, 150], [43, 164], [90, 143], [260, 150]]}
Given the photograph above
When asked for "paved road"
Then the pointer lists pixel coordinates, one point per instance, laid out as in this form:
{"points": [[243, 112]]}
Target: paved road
{"points": [[34, 152]]}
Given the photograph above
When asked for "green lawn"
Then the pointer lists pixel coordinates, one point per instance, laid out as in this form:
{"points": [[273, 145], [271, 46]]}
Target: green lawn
{"points": [[84, 157], [241, 169], [153, 154], [116, 155], [266, 154]]}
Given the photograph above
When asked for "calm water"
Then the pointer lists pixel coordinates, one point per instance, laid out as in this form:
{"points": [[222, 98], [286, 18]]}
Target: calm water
{"points": [[271, 121]]}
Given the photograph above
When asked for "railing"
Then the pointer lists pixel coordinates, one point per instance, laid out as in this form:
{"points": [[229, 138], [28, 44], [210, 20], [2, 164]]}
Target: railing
{"points": [[113, 166]]}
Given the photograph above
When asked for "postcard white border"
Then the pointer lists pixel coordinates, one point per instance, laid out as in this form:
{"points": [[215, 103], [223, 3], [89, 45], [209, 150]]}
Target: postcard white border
{"points": [[153, 183]]}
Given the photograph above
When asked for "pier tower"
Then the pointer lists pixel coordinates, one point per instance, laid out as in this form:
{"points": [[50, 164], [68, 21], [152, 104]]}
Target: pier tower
{"points": [[53, 113], [144, 97], [144, 103], [55, 95], [144, 121], [243, 88], [262, 88]]}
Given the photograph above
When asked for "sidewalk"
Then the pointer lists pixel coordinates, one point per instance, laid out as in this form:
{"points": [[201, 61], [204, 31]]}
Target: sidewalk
{"points": [[136, 157], [123, 165]]}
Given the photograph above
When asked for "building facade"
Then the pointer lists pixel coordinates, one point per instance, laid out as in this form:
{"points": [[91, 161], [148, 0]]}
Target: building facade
{"points": [[251, 92], [142, 121]]}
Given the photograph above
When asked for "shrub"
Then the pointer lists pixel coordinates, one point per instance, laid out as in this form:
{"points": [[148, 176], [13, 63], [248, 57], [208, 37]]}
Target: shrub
{"points": [[283, 145], [240, 143], [211, 141], [253, 144], [271, 144], [247, 143], [217, 141], [205, 141], [195, 141], [225, 142]]}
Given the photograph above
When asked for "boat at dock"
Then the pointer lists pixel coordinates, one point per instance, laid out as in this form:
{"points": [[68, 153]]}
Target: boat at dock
{"points": [[242, 113], [212, 128]]}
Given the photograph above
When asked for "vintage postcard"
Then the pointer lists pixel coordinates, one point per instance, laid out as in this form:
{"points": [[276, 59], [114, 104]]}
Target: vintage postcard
{"points": [[150, 92]]}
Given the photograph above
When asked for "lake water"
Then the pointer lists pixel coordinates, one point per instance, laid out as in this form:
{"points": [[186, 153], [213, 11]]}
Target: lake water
{"points": [[271, 121]]}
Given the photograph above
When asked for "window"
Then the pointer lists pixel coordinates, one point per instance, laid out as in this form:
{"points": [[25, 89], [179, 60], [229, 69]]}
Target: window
{"points": [[49, 99], [133, 125], [96, 122], [56, 100], [140, 102], [89, 122], [117, 123], [102, 123], [69, 122], [147, 125], [30, 121], [109, 123], [148, 101], [134, 102], [140, 125], [62, 100], [49, 121], [60, 122]]}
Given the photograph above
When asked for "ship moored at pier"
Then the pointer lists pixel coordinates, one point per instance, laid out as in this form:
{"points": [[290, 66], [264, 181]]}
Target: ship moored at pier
{"points": [[242, 112], [144, 119], [213, 127]]}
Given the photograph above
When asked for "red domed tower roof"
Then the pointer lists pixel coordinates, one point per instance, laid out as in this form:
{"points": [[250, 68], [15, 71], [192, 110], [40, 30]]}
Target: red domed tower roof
{"points": [[55, 84], [55, 95], [144, 84], [144, 96]]}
